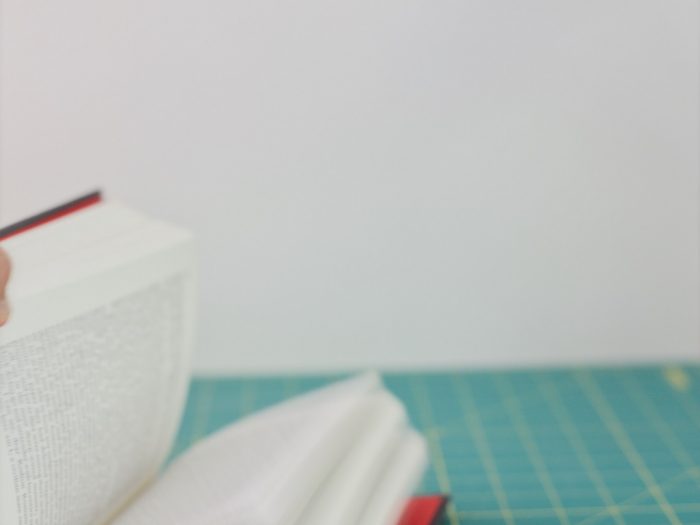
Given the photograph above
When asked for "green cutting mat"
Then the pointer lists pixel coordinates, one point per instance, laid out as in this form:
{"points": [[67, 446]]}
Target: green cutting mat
{"points": [[583, 446]]}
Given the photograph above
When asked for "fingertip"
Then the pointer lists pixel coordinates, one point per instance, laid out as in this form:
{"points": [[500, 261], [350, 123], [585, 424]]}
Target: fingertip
{"points": [[5, 269], [4, 311]]}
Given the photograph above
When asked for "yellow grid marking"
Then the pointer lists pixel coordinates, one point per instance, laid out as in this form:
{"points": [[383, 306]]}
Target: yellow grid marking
{"points": [[548, 512], [497, 406], [458, 426], [677, 378], [438, 456], [471, 414], [561, 413], [533, 452], [645, 404], [616, 428], [625, 505]]}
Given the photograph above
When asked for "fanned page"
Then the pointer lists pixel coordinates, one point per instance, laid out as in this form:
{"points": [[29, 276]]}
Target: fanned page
{"points": [[93, 365], [264, 469], [343, 497], [323, 458], [398, 481]]}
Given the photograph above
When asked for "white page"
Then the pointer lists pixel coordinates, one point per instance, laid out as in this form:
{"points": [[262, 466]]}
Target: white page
{"points": [[9, 513], [93, 374], [262, 470], [344, 495], [398, 482]]}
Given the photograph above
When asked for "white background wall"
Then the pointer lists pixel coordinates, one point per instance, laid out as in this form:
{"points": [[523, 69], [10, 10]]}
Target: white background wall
{"points": [[397, 183]]}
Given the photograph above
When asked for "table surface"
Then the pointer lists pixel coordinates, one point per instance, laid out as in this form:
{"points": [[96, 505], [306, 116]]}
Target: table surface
{"points": [[572, 446]]}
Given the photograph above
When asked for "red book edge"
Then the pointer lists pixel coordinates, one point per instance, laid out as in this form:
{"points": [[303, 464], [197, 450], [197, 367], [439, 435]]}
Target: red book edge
{"points": [[39, 219], [424, 510]]}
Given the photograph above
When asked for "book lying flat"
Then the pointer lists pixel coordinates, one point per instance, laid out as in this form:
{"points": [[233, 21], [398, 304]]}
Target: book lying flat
{"points": [[94, 369]]}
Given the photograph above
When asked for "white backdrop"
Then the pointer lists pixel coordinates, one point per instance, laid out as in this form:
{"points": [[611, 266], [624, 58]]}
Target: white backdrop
{"points": [[398, 183]]}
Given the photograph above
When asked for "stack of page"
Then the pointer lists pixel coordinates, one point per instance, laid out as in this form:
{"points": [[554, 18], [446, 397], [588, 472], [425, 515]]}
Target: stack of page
{"points": [[94, 368]]}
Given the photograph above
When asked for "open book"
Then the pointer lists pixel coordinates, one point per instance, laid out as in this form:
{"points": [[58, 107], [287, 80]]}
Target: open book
{"points": [[94, 368]]}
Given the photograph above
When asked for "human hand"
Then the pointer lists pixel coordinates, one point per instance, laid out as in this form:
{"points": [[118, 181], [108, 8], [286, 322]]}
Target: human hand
{"points": [[4, 276]]}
